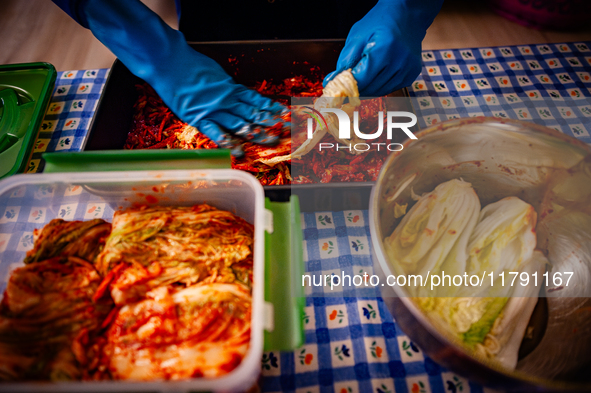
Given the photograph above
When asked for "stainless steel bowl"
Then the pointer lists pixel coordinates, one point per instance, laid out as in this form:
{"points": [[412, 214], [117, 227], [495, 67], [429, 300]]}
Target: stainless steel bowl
{"points": [[503, 158]]}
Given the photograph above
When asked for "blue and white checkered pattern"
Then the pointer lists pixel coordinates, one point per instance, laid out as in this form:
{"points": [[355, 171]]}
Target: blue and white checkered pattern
{"points": [[352, 343], [548, 84], [68, 116]]}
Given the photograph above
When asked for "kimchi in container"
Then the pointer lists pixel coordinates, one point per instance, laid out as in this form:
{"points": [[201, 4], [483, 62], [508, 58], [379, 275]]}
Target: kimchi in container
{"points": [[29, 202]]}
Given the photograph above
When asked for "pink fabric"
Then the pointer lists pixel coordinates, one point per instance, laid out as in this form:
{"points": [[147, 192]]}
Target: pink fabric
{"points": [[545, 14]]}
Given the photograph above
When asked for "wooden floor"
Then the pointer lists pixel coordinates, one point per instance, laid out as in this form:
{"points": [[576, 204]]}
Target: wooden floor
{"points": [[36, 30]]}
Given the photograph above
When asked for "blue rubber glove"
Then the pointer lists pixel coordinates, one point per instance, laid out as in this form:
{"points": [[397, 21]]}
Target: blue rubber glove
{"points": [[192, 85], [383, 49]]}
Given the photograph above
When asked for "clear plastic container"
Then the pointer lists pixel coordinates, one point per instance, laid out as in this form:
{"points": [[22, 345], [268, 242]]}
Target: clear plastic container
{"points": [[31, 201]]}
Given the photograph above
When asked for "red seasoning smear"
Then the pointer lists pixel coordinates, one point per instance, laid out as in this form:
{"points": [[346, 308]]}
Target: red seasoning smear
{"points": [[151, 199]]}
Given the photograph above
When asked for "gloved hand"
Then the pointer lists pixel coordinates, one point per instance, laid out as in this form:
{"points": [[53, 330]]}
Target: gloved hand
{"points": [[383, 49], [192, 85]]}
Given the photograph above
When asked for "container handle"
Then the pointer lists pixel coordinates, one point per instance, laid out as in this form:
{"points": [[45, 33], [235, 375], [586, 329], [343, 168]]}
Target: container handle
{"points": [[137, 160], [284, 267]]}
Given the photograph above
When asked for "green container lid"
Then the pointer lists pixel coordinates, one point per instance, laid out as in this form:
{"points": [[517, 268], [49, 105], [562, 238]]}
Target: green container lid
{"points": [[25, 91]]}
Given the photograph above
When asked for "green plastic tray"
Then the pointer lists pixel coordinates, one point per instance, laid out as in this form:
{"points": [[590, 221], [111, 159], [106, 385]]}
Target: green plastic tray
{"points": [[25, 91]]}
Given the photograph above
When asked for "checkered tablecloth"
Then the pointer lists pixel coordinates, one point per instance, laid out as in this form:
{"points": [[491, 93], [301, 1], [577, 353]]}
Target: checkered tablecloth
{"points": [[352, 343], [66, 122], [549, 84]]}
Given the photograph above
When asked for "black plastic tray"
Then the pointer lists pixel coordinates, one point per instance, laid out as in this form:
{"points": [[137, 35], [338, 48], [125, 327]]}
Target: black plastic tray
{"points": [[247, 62], [255, 61]]}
